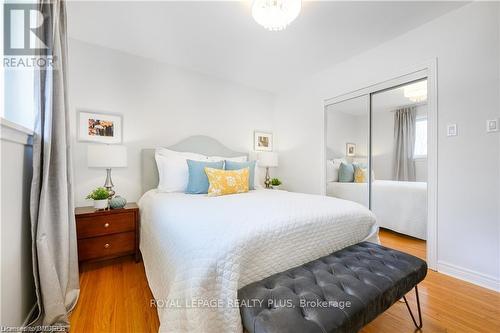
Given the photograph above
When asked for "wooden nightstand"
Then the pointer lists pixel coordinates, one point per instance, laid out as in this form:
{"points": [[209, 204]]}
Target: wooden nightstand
{"points": [[106, 234]]}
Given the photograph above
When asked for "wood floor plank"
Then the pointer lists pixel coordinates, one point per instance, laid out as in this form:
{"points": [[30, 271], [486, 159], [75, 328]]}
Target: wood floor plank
{"points": [[115, 297]]}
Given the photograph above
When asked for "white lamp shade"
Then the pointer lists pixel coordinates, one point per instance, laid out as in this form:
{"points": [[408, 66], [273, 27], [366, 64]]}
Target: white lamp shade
{"points": [[268, 159], [106, 156]]}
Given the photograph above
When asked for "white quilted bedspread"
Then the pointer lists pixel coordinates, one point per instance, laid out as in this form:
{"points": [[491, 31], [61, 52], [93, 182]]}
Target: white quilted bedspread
{"points": [[198, 250]]}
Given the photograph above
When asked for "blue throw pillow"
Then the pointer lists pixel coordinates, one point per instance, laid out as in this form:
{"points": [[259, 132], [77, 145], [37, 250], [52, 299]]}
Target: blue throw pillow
{"points": [[346, 173], [230, 165], [198, 180]]}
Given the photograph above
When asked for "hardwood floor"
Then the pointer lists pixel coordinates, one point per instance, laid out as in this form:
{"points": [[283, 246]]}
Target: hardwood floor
{"points": [[448, 304], [115, 297]]}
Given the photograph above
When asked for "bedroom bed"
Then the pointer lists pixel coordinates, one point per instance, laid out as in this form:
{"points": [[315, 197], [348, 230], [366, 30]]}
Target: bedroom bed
{"points": [[398, 205], [199, 250]]}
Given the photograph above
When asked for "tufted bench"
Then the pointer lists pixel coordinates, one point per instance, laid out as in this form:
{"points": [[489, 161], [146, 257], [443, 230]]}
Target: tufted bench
{"points": [[340, 292]]}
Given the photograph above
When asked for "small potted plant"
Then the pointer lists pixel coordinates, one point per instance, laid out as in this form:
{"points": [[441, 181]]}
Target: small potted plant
{"points": [[275, 183], [100, 196]]}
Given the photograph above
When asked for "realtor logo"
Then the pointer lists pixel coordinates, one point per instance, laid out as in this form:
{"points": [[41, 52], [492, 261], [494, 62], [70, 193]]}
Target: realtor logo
{"points": [[24, 24]]}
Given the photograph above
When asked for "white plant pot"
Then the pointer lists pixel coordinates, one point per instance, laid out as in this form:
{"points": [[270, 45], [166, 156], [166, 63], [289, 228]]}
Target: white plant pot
{"points": [[101, 204], [277, 187]]}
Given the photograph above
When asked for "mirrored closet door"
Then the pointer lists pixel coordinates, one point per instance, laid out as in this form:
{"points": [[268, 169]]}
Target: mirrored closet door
{"points": [[376, 154], [399, 158], [347, 147]]}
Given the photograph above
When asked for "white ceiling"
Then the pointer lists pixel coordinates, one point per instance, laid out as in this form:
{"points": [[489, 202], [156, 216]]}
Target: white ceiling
{"points": [[222, 39]]}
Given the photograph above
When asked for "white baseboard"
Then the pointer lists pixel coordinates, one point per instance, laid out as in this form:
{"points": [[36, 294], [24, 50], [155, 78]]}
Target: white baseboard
{"points": [[29, 317], [480, 279]]}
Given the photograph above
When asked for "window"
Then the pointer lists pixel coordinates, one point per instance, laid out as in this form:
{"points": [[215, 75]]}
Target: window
{"points": [[19, 100], [420, 150], [18, 84]]}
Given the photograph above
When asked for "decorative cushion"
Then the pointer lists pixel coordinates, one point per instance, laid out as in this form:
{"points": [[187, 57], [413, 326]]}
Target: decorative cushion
{"points": [[173, 170], [346, 173], [230, 165], [198, 180], [360, 174], [224, 182]]}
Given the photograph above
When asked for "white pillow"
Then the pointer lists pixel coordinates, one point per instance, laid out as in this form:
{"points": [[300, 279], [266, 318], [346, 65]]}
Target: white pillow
{"points": [[173, 170], [232, 159], [256, 177], [332, 170]]}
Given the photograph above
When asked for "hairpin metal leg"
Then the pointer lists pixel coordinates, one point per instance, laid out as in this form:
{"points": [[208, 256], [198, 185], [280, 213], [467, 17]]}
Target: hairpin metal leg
{"points": [[420, 324]]}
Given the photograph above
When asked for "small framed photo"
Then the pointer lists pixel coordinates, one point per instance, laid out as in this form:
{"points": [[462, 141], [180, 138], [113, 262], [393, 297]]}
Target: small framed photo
{"points": [[350, 149], [263, 141], [99, 127]]}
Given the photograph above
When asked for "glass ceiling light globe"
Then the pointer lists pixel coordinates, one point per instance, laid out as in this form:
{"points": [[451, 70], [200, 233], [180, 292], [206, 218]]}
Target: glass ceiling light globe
{"points": [[275, 14], [416, 92]]}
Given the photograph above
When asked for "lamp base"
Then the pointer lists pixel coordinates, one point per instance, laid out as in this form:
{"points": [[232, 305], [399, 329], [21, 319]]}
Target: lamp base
{"points": [[108, 184], [268, 179]]}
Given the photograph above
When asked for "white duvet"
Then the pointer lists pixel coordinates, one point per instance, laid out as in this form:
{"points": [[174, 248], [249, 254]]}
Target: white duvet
{"points": [[198, 250], [398, 205]]}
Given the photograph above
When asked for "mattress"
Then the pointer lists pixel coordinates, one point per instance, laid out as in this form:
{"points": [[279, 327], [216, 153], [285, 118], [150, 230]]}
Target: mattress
{"points": [[198, 250], [399, 206]]}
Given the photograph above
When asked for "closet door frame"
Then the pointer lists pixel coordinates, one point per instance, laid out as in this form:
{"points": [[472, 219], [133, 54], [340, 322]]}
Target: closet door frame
{"points": [[427, 70]]}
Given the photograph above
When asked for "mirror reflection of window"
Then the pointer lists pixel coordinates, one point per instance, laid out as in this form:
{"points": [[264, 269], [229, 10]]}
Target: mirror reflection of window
{"points": [[420, 150], [399, 133]]}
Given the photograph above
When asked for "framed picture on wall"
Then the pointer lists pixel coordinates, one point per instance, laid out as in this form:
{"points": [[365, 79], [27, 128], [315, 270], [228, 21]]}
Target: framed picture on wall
{"points": [[263, 141], [350, 149], [99, 127]]}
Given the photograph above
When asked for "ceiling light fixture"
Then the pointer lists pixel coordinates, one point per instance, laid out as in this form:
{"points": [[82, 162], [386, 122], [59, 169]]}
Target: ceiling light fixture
{"points": [[275, 15]]}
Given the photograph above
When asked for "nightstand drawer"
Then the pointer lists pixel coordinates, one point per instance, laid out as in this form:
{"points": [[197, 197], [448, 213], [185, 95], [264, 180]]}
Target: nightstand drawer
{"points": [[105, 224], [106, 246]]}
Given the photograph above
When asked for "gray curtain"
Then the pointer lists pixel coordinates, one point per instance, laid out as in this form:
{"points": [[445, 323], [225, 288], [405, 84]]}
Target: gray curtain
{"points": [[404, 144], [55, 260]]}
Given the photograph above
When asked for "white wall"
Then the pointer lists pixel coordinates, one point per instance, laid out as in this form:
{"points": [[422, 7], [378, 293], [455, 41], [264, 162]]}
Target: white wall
{"points": [[345, 128], [498, 205], [161, 105], [466, 45], [383, 144], [18, 288]]}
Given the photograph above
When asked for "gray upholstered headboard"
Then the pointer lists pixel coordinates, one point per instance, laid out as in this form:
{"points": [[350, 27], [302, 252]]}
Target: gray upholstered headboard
{"points": [[196, 144]]}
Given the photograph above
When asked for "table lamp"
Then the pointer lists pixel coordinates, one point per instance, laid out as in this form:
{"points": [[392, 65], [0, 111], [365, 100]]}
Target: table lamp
{"points": [[268, 160], [108, 157]]}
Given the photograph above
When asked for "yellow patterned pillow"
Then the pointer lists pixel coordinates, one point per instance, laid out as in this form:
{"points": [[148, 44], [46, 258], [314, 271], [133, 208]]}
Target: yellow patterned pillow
{"points": [[360, 175], [224, 182]]}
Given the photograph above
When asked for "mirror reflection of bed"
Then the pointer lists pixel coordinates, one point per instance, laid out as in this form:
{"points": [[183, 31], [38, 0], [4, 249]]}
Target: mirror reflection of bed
{"points": [[396, 192]]}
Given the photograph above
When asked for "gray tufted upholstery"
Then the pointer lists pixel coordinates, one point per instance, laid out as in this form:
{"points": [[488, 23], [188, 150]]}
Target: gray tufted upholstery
{"points": [[303, 299]]}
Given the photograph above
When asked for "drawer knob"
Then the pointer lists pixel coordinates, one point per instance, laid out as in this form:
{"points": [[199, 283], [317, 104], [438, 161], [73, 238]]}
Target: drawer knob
{"points": [[106, 245], [106, 225]]}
